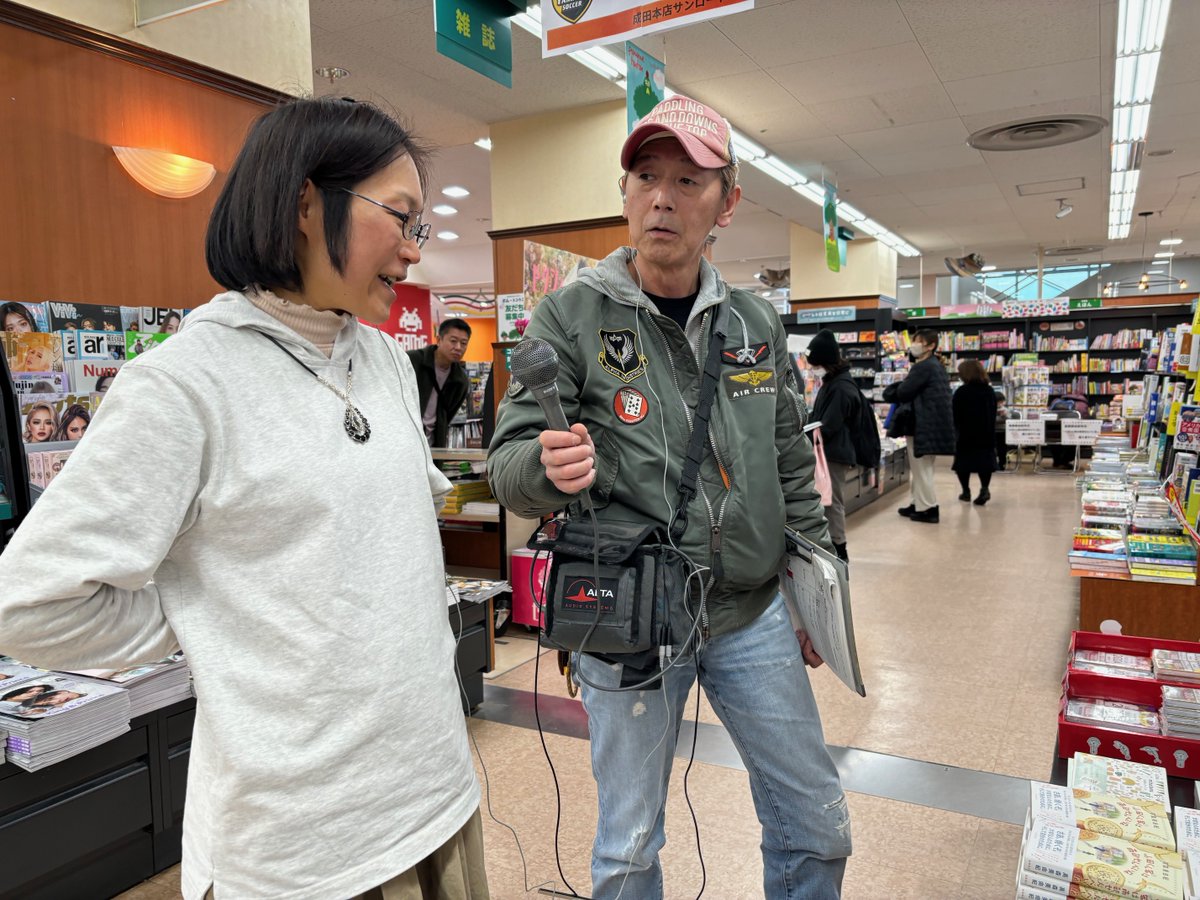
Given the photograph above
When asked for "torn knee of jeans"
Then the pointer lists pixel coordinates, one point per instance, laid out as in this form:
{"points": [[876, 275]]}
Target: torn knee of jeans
{"points": [[840, 806]]}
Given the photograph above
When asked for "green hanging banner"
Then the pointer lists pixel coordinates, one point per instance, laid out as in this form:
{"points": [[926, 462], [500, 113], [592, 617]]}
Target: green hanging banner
{"points": [[471, 32], [833, 255]]}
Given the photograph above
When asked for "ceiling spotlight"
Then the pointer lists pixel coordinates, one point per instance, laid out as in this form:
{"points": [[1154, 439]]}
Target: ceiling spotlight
{"points": [[444, 209], [333, 73], [988, 269], [447, 236], [455, 191], [1064, 208]]}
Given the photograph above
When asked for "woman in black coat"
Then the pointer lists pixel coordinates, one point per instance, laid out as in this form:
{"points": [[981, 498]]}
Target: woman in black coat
{"points": [[975, 421], [923, 416], [837, 408]]}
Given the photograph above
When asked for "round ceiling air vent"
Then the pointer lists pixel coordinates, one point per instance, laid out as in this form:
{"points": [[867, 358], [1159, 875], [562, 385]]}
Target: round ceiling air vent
{"points": [[1035, 134], [1086, 250]]}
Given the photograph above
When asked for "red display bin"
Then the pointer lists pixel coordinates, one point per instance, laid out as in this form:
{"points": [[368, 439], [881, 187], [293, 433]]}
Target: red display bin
{"points": [[527, 604], [1179, 756]]}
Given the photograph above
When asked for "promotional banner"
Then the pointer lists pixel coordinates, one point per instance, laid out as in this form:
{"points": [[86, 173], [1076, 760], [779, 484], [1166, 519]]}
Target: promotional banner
{"points": [[833, 256], [569, 25], [510, 309], [646, 79], [1020, 309]]}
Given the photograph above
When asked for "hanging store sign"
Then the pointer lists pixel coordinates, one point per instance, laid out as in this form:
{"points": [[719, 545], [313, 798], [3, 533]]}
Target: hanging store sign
{"points": [[646, 80], [569, 25], [471, 32], [1088, 303], [827, 314]]}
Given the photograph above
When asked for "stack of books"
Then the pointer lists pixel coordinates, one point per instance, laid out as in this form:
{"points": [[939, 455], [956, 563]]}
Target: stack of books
{"points": [[151, 686], [1107, 834], [1108, 504], [1152, 514], [1187, 841], [1176, 665], [1181, 712], [1162, 558], [51, 717], [473, 590], [1113, 714], [1099, 552], [481, 508], [464, 492], [1117, 665]]}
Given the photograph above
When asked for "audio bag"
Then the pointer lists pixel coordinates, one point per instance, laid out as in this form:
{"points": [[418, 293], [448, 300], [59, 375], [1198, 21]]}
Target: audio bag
{"points": [[634, 600]]}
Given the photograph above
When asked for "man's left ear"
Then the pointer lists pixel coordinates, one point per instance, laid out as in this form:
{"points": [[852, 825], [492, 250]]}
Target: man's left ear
{"points": [[728, 205]]}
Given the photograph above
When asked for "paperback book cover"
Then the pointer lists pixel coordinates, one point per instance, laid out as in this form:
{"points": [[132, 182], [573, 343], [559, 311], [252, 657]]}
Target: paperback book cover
{"points": [[1068, 854], [1131, 780], [1141, 822]]}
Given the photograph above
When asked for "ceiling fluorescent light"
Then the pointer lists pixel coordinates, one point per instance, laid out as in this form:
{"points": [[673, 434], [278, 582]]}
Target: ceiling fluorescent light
{"points": [[778, 170], [1170, 242], [810, 192], [484, 143], [1166, 254], [745, 148], [601, 62], [845, 209], [1141, 26], [1129, 123], [530, 20], [1135, 78]]}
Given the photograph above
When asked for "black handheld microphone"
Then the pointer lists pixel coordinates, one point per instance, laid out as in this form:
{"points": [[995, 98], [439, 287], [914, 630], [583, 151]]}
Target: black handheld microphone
{"points": [[535, 365]]}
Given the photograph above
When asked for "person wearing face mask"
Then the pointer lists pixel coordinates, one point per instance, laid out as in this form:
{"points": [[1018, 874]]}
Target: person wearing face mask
{"points": [[263, 549], [924, 416], [837, 408]]}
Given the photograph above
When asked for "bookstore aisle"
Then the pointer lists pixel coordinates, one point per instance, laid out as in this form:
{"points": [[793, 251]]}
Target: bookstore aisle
{"points": [[962, 629]]}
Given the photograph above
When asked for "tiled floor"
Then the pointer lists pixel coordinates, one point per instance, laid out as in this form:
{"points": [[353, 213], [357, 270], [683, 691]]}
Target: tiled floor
{"points": [[962, 631]]}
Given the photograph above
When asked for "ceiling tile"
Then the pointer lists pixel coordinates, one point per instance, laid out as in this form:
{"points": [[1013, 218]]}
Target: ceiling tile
{"points": [[750, 92], [894, 68], [1025, 87], [798, 31], [344, 15], [973, 193], [924, 103], [699, 52], [957, 177], [908, 162], [778, 125], [925, 136], [813, 150], [966, 39]]}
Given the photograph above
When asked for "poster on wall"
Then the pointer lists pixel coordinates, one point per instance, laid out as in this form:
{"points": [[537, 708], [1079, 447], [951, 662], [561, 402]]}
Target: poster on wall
{"points": [[547, 269], [410, 322], [646, 84], [569, 25], [510, 309]]}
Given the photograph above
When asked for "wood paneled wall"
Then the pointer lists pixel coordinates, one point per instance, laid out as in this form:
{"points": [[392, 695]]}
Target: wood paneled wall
{"points": [[73, 225]]}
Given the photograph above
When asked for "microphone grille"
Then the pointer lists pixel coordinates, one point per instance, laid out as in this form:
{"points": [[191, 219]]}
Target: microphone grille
{"points": [[534, 363]]}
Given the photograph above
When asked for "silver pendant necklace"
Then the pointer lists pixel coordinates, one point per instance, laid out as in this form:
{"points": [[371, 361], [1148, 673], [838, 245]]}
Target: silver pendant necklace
{"points": [[355, 423]]}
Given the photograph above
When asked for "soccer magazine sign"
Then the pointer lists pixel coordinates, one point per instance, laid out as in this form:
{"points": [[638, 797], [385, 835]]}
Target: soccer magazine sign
{"points": [[569, 25]]}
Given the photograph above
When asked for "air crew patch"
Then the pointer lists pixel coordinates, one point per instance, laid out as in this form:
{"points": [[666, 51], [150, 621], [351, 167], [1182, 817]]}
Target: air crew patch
{"points": [[630, 405], [750, 355], [620, 354], [749, 383]]}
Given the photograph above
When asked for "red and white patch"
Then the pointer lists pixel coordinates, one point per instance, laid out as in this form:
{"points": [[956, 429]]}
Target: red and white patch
{"points": [[630, 405]]}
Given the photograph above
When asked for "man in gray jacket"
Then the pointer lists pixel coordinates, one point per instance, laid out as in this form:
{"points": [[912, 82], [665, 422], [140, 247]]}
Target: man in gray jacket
{"points": [[631, 336]]}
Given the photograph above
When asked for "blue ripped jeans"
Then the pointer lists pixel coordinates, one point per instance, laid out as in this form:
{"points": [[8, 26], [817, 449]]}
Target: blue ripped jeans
{"points": [[757, 683]]}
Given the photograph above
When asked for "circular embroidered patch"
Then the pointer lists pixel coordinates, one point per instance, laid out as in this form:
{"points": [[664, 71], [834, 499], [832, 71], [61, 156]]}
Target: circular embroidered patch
{"points": [[630, 405]]}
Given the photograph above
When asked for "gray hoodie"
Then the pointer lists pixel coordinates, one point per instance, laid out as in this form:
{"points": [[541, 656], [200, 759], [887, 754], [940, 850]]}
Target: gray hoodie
{"points": [[216, 504]]}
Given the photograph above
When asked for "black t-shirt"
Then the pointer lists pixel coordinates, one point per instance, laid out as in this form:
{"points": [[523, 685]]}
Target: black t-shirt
{"points": [[677, 308]]}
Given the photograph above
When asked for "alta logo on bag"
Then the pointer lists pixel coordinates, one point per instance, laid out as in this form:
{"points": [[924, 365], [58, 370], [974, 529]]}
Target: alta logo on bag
{"points": [[581, 594]]}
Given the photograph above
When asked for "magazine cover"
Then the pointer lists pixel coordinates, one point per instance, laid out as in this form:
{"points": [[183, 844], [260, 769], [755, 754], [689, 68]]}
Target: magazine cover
{"points": [[155, 320], [88, 376], [56, 417], [83, 316], [54, 695], [34, 352], [27, 383], [13, 673], [93, 345], [17, 317], [139, 342], [1187, 428], [53, 462], [36, 473]]}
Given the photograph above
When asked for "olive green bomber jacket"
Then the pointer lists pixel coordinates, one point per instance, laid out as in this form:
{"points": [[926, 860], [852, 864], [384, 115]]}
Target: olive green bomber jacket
{"points": [[633, 377]]}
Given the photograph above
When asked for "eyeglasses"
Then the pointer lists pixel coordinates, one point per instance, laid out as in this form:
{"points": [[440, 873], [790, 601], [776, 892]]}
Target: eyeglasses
{"points": [[410, 224]]}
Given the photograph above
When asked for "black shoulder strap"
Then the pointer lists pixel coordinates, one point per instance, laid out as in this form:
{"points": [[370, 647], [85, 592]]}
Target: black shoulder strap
{"points": [[699, 440]]}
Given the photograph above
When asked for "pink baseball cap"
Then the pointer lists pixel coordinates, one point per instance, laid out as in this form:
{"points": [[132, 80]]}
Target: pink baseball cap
{"points": [[703, 132]]}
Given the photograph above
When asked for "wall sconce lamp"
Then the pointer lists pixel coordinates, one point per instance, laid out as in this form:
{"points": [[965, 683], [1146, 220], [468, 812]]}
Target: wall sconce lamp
{"points": [[166, 174]]}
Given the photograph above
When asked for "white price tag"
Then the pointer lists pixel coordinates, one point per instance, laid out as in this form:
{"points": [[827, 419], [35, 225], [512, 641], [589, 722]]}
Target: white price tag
{"points": [[1080, 432], [1025, 432]]}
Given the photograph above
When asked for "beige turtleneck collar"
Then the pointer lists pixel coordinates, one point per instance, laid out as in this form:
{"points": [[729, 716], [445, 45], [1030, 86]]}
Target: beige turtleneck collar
{"points": [[320, 326]]}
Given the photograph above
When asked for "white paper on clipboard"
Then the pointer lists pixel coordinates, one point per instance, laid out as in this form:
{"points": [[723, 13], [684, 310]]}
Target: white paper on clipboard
{"points": [[816, 586]]}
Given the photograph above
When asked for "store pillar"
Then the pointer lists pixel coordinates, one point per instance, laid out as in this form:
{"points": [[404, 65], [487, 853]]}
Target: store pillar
{"points": [[870, 269]]}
